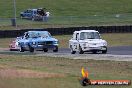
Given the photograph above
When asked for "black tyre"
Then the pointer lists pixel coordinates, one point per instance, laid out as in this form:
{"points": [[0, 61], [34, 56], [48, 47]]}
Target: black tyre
{"points": [[33, 18], [72, 51], [94, 52], [31, 49], [10, 49], [80, 50], [45, 50], [21, 49], [21, 16], [104, 51], [55, 49]]}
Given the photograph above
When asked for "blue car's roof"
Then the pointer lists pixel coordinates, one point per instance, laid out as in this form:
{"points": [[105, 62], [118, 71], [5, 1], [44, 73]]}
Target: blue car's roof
{"points": [[38, 31]]}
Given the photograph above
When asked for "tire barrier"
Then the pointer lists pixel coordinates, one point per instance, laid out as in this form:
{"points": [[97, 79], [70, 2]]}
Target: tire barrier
{"points": [[66, 31]]}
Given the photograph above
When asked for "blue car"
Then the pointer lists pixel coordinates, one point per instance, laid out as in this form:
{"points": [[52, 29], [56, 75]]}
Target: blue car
{"points": [[29, 14], [38, 40], [33, 14]]}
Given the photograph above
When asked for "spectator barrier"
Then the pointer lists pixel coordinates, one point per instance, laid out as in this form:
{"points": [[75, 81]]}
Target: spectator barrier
{"points": [[68, 31]]}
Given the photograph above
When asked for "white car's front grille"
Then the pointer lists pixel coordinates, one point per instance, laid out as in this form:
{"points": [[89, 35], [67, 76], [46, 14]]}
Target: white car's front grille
{"points": [[95, 44]]}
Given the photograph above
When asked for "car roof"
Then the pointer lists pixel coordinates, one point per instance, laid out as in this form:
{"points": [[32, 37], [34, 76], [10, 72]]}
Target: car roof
{"points": [[38, 31], [32, 9], [86, 31], [89, 31]]}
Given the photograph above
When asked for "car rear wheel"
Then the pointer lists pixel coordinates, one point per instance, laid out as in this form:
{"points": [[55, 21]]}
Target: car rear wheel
{"points": [[45, 50], [72, 51], [55, 49], [21, 49]]}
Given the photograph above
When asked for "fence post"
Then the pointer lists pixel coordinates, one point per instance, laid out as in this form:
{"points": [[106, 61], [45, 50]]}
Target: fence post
{"points": [[13, 22]]}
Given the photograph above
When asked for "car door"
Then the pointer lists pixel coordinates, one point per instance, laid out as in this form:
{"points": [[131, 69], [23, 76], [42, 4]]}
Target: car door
{"points": [[29, 14], [75, 42], [26, 14], [25, 40]]}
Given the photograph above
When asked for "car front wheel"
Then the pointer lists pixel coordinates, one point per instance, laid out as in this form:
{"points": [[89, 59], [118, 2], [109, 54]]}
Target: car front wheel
{"points": [[94, 52], [21, 49], [33, 18], [104, 51], [31, 49], [45, 50], [55, 49], [80, 50]]}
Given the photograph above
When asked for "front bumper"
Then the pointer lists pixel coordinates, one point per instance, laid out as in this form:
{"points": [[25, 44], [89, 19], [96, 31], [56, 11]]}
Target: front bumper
{"points": [[44, 46], [99, 48]]}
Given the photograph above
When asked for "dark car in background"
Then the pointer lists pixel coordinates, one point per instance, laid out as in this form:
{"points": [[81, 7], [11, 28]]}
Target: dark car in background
{"points": [[33, 14]]}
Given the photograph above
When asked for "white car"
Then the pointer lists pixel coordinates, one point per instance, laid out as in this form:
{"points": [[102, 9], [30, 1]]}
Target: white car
{"points": [[13, 46], [87, 40]]}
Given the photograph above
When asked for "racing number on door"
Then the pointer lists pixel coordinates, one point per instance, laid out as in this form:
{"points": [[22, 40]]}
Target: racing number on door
{"points": [[74, 45], [77, 41]]}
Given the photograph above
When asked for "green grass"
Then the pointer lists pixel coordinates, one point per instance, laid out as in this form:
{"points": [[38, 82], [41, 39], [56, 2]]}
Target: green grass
{"points": [[65, 13], [68, 7], [70, 68], [113, 39], [68, 21], [118, 39]]}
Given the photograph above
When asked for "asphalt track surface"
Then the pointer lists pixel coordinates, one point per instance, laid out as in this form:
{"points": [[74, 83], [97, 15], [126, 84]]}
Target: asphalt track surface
{"points": [[117, 50], [120, 53], [120, 50]]}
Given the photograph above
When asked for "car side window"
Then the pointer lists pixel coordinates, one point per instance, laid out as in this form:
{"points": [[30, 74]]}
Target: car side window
{"points": [[30, 11], [26, 36], [34, 12], [77, 36], [25, 11]]}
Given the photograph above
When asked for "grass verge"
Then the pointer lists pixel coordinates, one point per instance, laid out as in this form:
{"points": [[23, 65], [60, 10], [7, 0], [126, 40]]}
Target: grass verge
{"points": [[70, 68]]}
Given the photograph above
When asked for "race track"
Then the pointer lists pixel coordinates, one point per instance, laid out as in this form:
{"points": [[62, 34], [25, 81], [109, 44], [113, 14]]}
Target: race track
{"points": [[120, 53], [120, 50]]}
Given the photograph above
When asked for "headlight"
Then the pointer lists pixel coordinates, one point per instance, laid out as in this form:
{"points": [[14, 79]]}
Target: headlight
{"points": [[104, 43], [34, 43], [55, 42]]}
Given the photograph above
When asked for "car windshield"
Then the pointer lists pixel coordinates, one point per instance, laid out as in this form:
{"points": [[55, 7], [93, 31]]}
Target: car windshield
{"points": [[39, 34], [89, 35]]}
